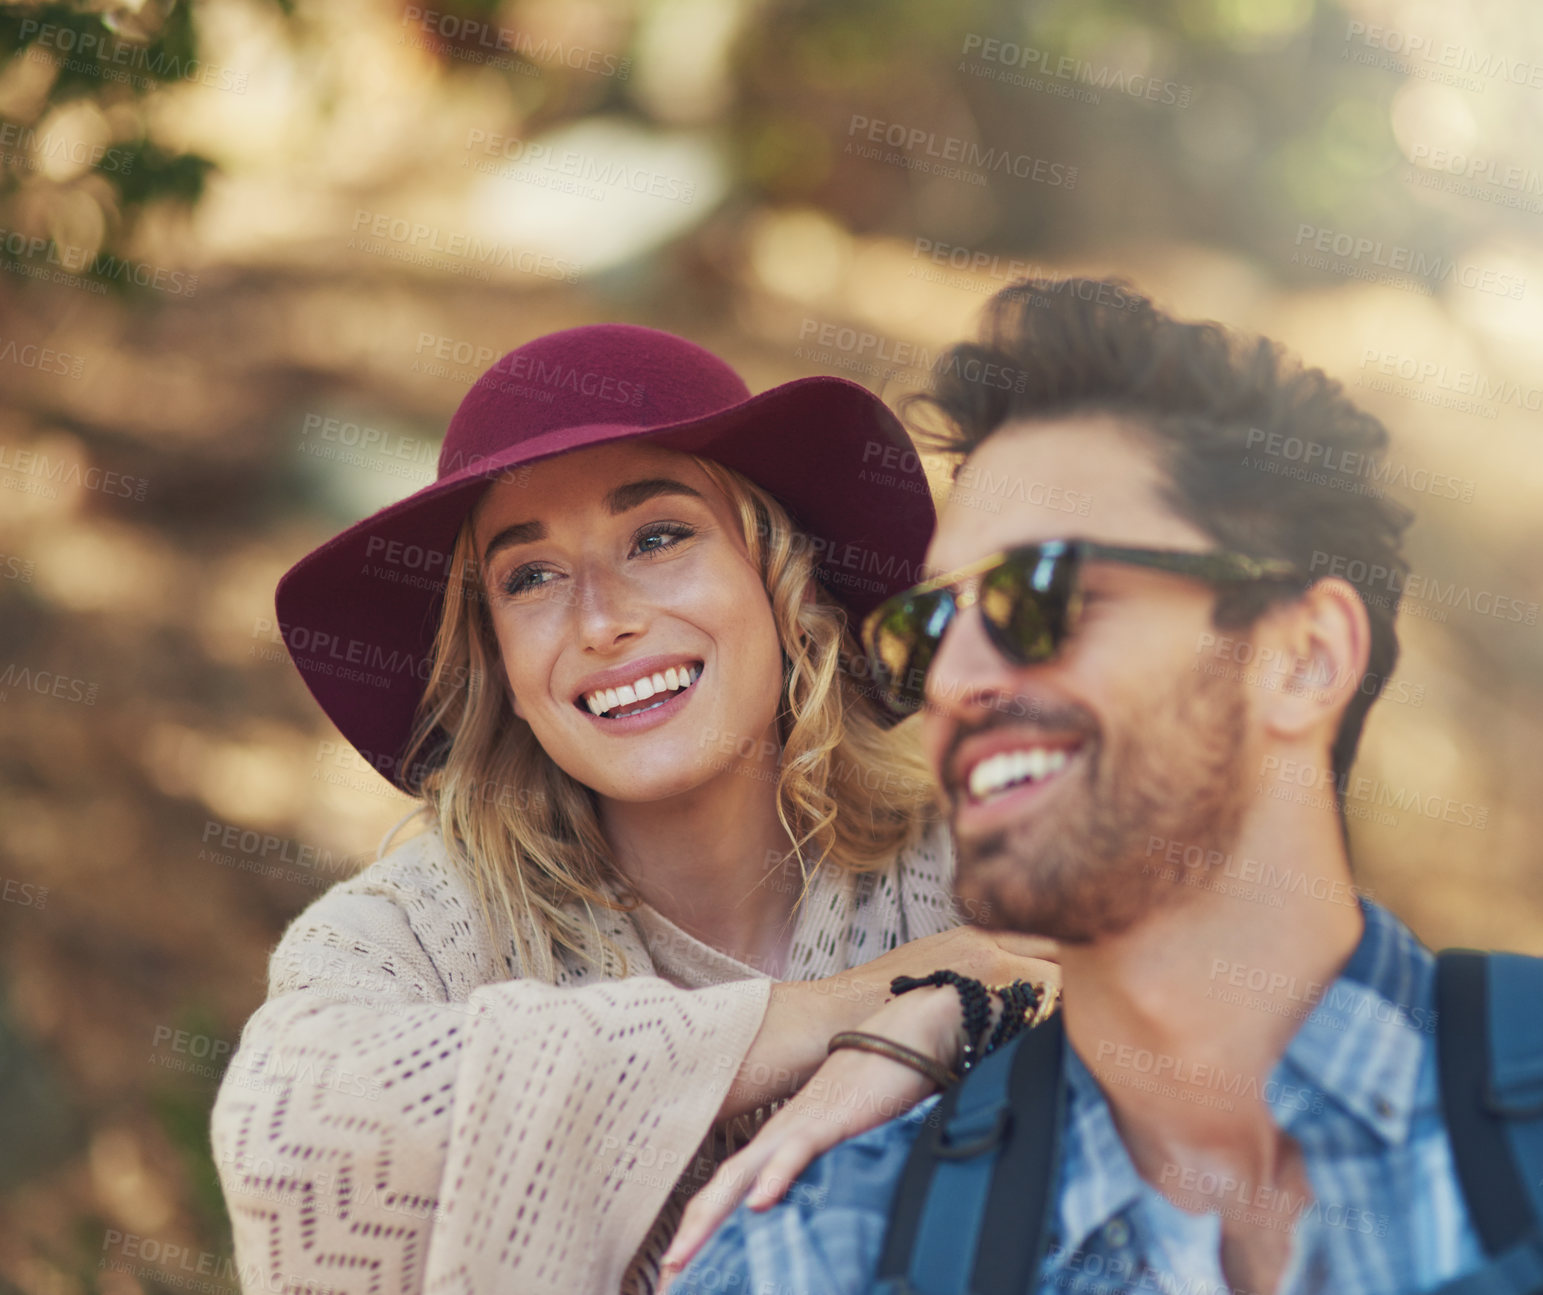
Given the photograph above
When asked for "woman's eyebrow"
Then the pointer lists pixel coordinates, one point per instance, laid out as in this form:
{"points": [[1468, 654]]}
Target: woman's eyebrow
{"points": [[519, 533], [634, 493]]}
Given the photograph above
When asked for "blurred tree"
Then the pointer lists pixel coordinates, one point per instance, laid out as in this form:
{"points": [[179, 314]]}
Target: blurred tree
{"points": [[78, 163]]}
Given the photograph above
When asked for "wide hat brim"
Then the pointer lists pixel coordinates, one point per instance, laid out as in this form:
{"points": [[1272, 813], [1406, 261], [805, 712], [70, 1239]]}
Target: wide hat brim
{"points": [[359, 614]]}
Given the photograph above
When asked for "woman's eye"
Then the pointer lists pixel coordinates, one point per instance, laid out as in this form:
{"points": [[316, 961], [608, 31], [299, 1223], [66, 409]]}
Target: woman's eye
{"points": [[655, 539], [524, 579]]}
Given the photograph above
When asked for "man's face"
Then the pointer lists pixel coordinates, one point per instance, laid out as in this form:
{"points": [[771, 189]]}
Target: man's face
{"points": [[1135, 739]]}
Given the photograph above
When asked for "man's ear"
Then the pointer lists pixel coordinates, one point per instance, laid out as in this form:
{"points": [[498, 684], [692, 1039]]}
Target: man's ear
{"points": [[1320, 642]]}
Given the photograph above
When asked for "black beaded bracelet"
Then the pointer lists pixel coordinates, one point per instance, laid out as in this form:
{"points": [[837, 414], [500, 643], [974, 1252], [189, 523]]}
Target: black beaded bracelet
{"points": [[1020, 1003], [974, 998]]}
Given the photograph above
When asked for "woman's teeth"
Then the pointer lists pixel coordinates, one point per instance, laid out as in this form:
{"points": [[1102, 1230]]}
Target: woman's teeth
{"points": [[629, 694], [1009, 768]]}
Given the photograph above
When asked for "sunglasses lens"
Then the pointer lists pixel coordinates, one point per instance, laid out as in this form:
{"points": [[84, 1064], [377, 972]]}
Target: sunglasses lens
{"points": [[902, 641], [1026, 603]]}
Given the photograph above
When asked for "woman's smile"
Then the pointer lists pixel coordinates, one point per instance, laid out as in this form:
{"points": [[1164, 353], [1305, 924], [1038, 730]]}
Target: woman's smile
{"points": [[651, 685], [651, 700]]}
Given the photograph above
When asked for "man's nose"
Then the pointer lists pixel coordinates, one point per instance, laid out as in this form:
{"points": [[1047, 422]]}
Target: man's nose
{"points": [[968, 676]]}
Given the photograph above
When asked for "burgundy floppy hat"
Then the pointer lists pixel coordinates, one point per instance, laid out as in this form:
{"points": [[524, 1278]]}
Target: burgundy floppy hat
{"points": [[359, 613]]}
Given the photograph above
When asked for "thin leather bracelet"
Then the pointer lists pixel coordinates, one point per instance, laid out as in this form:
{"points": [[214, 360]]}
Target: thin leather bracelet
{"points": [[940, 1074]]}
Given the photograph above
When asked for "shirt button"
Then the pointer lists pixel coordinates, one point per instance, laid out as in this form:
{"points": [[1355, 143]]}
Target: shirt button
{"points": [[1116, 1233], [1383, 1107]]}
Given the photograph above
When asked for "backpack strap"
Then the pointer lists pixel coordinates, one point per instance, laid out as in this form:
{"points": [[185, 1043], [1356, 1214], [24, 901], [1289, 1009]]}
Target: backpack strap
{"points": [[1489, 1043], [980, 1181]]}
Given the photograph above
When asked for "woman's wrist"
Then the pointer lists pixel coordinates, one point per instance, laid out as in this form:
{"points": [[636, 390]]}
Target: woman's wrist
{"points": [[927, 1019]]}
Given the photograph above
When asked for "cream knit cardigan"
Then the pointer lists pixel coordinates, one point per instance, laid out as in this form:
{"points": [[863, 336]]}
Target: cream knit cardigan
{"points": [[407, 1113]]}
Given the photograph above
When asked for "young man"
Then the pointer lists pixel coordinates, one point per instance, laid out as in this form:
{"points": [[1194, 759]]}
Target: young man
{"points": [[1121, 735]]}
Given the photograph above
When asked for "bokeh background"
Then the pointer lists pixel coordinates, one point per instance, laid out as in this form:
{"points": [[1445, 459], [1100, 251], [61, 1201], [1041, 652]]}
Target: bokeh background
{"points": [[253, 252]]}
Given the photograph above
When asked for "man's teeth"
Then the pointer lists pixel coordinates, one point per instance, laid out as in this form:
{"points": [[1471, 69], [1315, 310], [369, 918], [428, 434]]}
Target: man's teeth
{"points": [[1008, 768], [671, 680]]}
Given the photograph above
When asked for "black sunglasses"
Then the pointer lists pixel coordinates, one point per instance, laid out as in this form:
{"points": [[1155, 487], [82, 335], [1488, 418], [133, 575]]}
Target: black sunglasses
{"points": [[1030, 598]]}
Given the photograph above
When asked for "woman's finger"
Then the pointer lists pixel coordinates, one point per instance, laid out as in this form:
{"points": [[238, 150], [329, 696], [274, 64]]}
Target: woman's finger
{"points": [[789, 1160], [1028, 946], [716, 1201], [851, 1093]]}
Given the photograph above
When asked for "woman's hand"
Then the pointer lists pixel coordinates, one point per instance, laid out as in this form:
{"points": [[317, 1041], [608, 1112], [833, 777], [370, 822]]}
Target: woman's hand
{"points": [[802, 1015], [850, 1093], [991, 957]]}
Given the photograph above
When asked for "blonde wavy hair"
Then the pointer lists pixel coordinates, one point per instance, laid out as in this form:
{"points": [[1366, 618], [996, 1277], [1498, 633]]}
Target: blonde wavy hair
{"points": [[850, 791]]}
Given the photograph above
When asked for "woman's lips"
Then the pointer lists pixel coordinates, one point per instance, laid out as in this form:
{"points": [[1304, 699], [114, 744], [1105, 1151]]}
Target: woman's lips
{"points": [[633, 694], [652, 712]]}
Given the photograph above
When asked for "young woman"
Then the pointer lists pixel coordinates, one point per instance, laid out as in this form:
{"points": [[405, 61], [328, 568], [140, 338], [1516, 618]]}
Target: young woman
{"points": [[673, 846]]}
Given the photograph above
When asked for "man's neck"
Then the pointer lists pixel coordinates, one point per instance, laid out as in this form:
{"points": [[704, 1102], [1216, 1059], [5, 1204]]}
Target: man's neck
{"points": [[1203, 996]]}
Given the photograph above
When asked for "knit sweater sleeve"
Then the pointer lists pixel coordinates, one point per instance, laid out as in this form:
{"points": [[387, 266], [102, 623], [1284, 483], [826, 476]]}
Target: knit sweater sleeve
{"points": [[403, 1113]]}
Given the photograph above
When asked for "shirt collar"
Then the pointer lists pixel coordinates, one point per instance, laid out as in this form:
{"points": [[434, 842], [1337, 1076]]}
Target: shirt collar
{"points": [[1099, 1180], [1364, 1042], [1362, 1045]]}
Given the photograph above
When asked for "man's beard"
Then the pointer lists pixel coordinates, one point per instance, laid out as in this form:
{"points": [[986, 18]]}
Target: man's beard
{"points": [[1087, 868]]}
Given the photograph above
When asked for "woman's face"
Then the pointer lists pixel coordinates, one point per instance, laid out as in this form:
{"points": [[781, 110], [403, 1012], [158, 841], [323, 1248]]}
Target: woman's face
{"points": [[637, 638]]}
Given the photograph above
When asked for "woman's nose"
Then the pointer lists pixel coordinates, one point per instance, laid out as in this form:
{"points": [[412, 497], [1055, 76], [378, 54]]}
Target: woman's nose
{"points": [[608, 608]]}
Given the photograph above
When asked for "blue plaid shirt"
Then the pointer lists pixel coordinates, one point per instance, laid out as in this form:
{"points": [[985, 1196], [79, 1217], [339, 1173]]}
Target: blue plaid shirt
{"points": [[1356, 1089]]}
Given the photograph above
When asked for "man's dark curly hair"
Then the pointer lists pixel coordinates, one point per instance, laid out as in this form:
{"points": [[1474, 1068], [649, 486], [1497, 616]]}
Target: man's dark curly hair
{"points": [[1209, 400]]}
